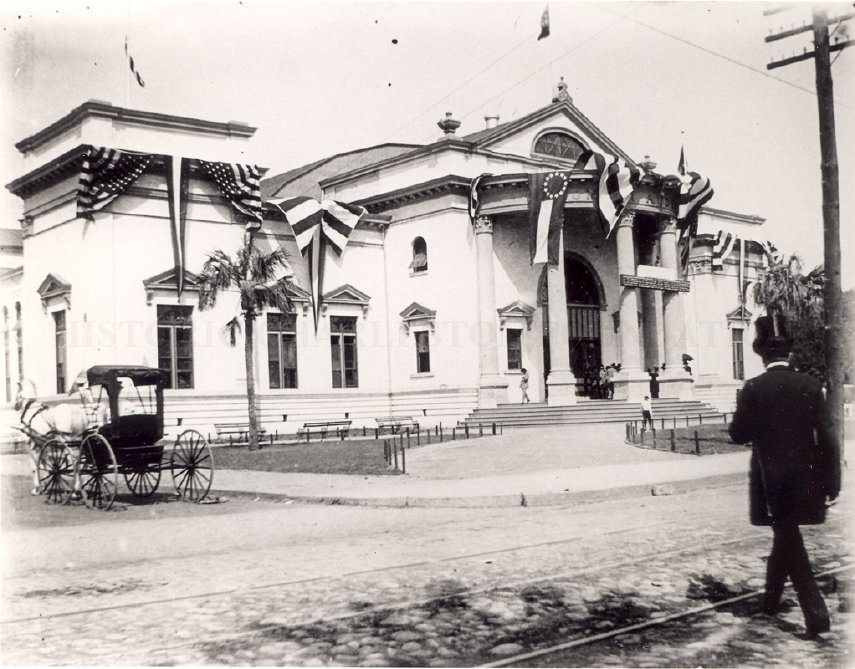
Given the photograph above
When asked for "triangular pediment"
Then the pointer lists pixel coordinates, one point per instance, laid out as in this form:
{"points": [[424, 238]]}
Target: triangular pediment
{"points": [[416, 311], [297, 294], [346, 294], [740, 314], [518, 137], [53, 284], [168, 280], [518, 311]]}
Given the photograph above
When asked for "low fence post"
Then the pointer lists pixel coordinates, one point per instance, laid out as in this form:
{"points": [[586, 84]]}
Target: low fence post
{"points": [[663, 423], [440, 432], [386, 452], [480, 429], [653, 430], [673, 442], [408, 438], [687, 420], [454, 434], [427, 432], [395, 452], [494, 428], [376, 432], [675, 422], [308, 432], [419, 437], [403, 462], [700, 419], [466, 429], [697, 444], [363, 430]]}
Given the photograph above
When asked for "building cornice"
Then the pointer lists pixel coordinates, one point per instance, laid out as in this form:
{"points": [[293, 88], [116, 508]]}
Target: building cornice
{"points": [[733, 216], [100, 109]]}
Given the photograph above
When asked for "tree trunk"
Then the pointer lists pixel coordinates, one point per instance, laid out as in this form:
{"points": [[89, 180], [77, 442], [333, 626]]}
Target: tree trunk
{"points": [[249, 321]]}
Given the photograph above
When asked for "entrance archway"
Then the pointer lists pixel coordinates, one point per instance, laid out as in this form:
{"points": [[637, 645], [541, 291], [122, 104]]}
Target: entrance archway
{"points": [[584, 305]]}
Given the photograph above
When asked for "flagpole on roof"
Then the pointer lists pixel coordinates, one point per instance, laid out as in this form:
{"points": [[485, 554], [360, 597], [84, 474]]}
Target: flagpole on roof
{"points": [[127, 75]]}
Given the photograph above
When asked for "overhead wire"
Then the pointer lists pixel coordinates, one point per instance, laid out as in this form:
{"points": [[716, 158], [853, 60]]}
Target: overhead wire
{"points": [[712, 52]]}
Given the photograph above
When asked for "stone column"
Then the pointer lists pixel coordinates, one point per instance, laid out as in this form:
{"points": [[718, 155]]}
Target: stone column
{"points": [[492, 386], [674, 319], [561, 381], [631, 383], [629, 339]]}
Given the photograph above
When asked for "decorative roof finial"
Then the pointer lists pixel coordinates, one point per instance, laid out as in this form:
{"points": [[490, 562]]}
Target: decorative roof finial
{"points": [[560, 92], [648, 164], [448, 125]]}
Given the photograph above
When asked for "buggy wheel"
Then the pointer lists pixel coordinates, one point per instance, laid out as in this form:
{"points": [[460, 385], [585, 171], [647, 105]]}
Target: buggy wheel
{"points": [[98, 472], [55, 470], [143, 480], [192, 465]]}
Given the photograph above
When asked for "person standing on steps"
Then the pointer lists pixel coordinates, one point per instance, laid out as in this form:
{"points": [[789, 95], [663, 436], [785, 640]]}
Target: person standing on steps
{"points": [[646, 413], [524, 386], [795, 466]]}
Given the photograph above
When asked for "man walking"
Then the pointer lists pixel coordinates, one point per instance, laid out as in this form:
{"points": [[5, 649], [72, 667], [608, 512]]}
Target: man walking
{"points": [[795, 467]]}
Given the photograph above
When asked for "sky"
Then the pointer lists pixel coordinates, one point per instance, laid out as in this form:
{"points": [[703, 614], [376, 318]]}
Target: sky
{"points": [[321, 78]]}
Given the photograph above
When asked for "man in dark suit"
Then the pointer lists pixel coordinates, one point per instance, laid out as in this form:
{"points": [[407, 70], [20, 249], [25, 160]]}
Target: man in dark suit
{"points": [[795, 466]]}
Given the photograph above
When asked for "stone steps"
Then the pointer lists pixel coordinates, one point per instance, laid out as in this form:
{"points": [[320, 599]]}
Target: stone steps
{"points": [[596, 411]]}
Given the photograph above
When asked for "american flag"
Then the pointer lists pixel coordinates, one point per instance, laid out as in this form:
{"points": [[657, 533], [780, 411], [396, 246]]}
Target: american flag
{"points": [[240, 184], [104, 175]]}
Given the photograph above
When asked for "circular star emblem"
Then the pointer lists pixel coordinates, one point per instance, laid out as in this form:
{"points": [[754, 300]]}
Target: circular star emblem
{"points": [[554, 184]]}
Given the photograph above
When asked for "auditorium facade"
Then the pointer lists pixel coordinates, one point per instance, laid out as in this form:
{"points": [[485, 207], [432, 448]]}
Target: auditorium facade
{"points": [[432, 308]]}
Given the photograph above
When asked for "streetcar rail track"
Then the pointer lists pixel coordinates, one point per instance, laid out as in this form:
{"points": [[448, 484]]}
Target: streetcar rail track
{"points": [[516, 660]]}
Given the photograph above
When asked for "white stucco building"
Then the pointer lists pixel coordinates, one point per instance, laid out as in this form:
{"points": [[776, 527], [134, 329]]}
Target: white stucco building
{"points": [[425, 312]]}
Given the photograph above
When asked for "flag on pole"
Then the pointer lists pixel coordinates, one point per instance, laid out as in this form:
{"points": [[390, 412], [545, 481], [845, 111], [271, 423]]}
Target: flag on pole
{"points": [[317, 225], [547, 195], [544, 24], [133, 66], [687, 243], [241, 186], [104, 175], [681, 166]]}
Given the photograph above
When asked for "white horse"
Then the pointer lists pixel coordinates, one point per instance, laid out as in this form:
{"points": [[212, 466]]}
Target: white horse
{"points": [[41, 422]]}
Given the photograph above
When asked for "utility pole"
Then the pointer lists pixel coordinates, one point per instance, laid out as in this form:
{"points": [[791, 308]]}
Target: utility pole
{"points": [[832, 294]]}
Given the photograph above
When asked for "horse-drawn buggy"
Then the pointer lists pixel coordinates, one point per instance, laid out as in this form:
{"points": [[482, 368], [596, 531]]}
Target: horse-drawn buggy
{"points": [[123, 406]]}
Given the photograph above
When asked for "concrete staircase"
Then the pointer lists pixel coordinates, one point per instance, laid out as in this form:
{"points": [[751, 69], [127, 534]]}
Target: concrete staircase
{"points": [[674, 412]]}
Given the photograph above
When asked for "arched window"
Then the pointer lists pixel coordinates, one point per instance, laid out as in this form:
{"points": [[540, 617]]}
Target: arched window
{"points": [[559, 145], [420, 263]]}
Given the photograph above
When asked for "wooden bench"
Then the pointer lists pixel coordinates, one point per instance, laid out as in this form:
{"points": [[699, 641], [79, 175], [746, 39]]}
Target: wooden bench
{"points": [[396, 424], [322, 427], [236, 429]]}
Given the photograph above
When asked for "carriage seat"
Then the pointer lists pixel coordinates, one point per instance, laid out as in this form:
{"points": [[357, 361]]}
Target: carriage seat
{"points": [[134, 430]]}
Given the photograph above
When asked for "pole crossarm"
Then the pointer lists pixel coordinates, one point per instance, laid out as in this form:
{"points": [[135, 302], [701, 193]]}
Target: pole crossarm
{"points": [[805, 28], [807, 55]]}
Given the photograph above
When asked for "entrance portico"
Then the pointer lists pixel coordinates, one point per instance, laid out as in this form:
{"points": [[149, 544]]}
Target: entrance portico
{"points": [[649, 330]]}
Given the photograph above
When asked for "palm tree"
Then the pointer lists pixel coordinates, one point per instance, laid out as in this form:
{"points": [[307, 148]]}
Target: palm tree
{"points": [[260, 279], [785, 291]]}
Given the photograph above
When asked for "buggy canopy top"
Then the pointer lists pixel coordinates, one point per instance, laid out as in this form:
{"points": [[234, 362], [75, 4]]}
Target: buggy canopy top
{"points": [[104, 375]]}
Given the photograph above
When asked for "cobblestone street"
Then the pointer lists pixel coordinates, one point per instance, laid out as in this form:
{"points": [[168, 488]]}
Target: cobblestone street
{"points": [[254, 582]]}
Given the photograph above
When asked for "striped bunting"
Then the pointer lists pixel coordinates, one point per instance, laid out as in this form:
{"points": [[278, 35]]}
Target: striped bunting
{"points": [[723, 246], [317, 225], [104, 175], [615, 189], [241, 186], [695, 191], [474, 197]]}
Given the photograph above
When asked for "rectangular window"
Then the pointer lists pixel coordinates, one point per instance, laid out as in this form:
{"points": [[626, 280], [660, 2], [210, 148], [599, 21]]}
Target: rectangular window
{"points": [[514, 349], [175, 344], [282, 350], [343, 350], [60, 345], [736, 339], [422, 351]]}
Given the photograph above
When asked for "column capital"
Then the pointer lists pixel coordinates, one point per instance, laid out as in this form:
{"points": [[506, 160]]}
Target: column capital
{"points": [[484, 225], [669, 224], [626, 220]]}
